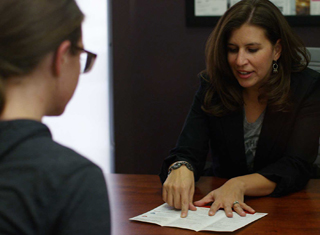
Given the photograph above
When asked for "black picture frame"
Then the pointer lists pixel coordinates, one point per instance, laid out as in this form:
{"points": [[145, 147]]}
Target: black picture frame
{"points": [[211, 21]]}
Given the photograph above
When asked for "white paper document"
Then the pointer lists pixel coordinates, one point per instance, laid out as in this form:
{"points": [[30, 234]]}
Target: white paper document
{"points": [[198, 220]]}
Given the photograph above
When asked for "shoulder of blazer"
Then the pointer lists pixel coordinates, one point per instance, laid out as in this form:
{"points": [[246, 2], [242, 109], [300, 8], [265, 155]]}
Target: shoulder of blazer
{"points": [[307, 76], [304, 82], [204, 81], [204, 78]]}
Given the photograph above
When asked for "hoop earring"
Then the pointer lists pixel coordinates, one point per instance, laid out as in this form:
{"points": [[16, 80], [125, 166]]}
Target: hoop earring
{"points": [[275, 67]]}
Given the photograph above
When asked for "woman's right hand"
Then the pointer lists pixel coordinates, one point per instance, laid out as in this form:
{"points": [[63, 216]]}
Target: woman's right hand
{"points": [[178, 190]]}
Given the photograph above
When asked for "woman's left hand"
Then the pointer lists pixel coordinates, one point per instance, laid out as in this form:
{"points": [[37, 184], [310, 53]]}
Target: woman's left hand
{"points": [[229, 196]]}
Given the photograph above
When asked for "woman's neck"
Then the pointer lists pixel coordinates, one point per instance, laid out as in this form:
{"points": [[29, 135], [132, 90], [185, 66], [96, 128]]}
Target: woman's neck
{"points": [[25, 98], [252, 105]]}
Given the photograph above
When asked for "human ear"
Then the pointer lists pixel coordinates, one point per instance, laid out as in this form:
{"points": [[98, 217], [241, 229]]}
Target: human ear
{"points": [[61, 57], [277, 50]]}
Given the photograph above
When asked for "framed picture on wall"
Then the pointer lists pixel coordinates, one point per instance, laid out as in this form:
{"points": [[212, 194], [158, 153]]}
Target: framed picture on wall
{"points": [[206, 13]]}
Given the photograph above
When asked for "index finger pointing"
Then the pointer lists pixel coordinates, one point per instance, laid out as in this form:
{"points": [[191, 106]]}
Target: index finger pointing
{"points": [[184, 205]]}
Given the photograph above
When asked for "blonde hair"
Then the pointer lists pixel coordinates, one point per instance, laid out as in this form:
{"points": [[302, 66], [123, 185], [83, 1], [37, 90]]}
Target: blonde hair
{"points": [[30, 29]]}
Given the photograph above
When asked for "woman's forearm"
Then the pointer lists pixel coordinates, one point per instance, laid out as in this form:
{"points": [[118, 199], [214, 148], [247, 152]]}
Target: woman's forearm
{"points": [[255, 184]]}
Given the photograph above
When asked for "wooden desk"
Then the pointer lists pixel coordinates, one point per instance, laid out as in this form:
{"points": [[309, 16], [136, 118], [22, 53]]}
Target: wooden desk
{"points": [[132, 195]]}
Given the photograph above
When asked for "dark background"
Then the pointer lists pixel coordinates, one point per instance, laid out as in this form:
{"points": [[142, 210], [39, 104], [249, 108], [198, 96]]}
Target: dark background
{"points": [[156, 59]]}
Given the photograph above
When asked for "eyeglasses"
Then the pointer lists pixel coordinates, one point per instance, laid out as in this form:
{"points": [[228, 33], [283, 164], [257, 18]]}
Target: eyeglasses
{"points": [[87, 59]]}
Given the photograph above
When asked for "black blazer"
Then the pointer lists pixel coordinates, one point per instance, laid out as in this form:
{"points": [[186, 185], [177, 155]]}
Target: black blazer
{"points": [[287, 146]]}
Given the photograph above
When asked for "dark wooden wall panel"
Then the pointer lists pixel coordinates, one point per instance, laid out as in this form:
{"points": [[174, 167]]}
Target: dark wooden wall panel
{"points": [[156, 59]]}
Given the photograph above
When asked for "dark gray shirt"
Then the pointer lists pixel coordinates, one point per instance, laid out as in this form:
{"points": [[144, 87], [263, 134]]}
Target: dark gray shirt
{"points": [[46, 188], [251, 137]]}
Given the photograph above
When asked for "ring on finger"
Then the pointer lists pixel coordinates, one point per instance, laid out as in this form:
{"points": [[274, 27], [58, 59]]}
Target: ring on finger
{"points": [[235, 202]]}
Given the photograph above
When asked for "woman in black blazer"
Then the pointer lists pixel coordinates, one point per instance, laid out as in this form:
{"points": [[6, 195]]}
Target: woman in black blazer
{"points": [[257, 110]]}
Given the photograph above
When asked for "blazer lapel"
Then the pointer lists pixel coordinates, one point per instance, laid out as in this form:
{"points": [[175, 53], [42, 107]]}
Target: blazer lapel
{"points": [[233, 133], [270, 135]]}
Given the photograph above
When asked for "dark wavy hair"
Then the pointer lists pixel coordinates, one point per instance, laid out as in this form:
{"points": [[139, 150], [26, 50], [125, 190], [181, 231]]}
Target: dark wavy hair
{"points": [[30, 29], [224, 94]]}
